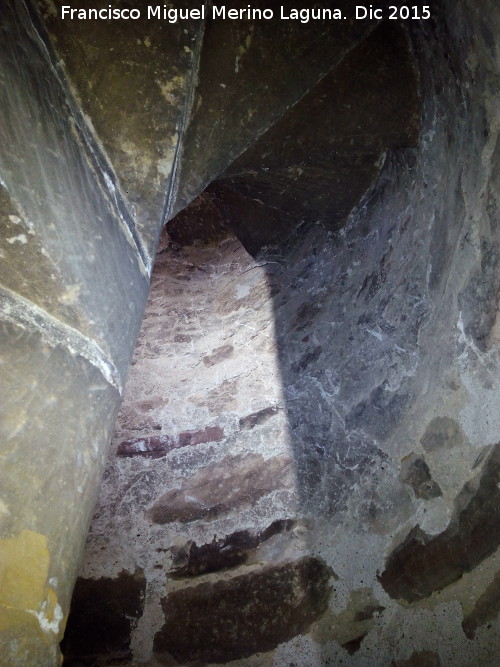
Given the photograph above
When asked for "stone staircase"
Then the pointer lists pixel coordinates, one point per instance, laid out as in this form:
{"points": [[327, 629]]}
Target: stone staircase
{"points": [[203, 470]]}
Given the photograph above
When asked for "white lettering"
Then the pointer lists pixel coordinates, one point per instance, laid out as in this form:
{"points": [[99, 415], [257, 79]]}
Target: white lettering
{"points": [[306, 15], [153, 12], [103, 14], [363, 12], [218, 12], [249, 13]]}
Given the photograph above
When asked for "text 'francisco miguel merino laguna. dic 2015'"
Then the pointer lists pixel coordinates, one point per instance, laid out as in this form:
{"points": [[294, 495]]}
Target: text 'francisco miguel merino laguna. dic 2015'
{"points": [[304, 15]]}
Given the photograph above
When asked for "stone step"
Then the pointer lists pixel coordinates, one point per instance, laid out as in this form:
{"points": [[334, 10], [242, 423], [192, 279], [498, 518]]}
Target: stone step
{"points": [[316, 162]]}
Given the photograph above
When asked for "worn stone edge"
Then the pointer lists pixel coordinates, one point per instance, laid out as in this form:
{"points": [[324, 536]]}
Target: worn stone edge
{"points": [[98, 157], [187, 110], [19, 311]]}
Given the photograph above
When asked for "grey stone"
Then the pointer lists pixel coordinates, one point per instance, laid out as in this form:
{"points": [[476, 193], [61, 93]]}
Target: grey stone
{"points": [[365, 315], [231, 551], [486, 609], [233, 56], [89, 259], [419, 659], [442, 433], [423, 564]]}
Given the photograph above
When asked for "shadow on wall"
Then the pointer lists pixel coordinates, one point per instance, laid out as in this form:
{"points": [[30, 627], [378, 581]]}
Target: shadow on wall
{"points": [[366, 314], [339, 326]]}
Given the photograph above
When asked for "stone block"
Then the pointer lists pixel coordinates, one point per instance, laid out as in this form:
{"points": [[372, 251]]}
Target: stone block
{"points": [[223, 621], [223, 487], [56, 419], [131, 79], [104, 612], [423, 563], [235, 81], [68, 248]]}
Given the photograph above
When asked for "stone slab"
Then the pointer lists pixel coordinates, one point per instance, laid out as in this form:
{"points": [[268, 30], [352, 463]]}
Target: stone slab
{"points": [[66, 248], [131, 79], [56, 418]]}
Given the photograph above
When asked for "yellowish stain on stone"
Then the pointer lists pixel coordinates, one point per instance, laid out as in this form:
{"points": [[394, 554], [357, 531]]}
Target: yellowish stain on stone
{"points": [[24, 566], [52, 604], [30, 614], [20, 626], [22, 641], [70, 295], [172, 88], [18, 623]]}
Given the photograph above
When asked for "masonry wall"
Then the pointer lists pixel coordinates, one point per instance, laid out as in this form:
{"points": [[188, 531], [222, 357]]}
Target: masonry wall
{"points": [[305, 467]]}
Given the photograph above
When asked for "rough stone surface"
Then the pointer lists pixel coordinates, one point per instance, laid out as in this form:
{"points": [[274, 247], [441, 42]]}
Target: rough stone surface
{"points": [[419, 659], [485, 609], [223, 621], [416, 473], [424, 564], [221, 554], [365, 356], [349, 626], [442, 433], [202, 451], [103, 613], [223, 487], [131, 80], [201, 222], [293, 174], [73, 282], [162, 444], [61, 220], [53, 454], [230, 85], [257, 418], [335, 379], [317, 177]]}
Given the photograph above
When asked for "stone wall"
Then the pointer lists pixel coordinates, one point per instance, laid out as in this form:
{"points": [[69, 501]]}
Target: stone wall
{"points": [[305, 466], [201, 475]]}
